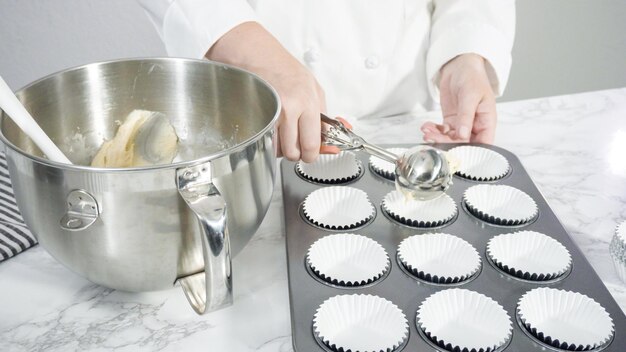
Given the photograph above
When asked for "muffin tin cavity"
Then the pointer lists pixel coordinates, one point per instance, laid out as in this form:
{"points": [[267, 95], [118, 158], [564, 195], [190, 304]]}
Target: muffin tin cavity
{"points": [[331, 168], [463, 320], [564, 319], [360, 323], [500, 204], [439, 258], [479, 164], [416, 213], [347, 260], [529, 255], [338, 208]]}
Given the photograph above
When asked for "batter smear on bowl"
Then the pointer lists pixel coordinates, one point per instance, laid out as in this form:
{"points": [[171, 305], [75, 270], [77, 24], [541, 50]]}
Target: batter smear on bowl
{"points": [[145, 138]]}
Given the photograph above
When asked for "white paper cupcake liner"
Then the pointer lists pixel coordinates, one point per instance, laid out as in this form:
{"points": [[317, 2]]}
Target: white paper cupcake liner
{"points": [[331, 168], [383, 167], [480, 164], [500, 204], [529, 255], [463, 320], [621, 233], [439, 258], [564, 319], [618, 242], [360, 323], [417, 213], [338, 208], [620, 268], [347, 259], [617, 249]]}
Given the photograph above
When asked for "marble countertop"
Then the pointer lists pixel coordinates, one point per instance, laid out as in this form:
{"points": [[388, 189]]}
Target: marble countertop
{"points": [[574, 147]]}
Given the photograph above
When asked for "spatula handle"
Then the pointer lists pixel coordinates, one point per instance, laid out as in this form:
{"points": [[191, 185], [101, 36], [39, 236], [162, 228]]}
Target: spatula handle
{"points": [[16, 111]]}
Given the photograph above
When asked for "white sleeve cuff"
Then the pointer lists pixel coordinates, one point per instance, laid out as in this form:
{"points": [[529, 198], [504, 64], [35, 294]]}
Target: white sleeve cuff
{"points": [[191, 27], [477, 38]]}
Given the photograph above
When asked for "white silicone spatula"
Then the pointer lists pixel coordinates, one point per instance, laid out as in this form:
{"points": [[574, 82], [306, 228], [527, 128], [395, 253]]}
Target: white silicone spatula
{"points": [[16, 111]]}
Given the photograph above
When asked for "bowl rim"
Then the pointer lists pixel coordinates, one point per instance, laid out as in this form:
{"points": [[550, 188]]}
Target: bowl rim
{"points": [[181, 164]]}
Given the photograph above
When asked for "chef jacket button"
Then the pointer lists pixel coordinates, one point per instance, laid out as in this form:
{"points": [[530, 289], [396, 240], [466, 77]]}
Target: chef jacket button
{"points": [[372, 62], [311, 56]]}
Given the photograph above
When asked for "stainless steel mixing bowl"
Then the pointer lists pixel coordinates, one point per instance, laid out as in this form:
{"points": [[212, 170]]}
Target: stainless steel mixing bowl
{"points": [[142, 229]]}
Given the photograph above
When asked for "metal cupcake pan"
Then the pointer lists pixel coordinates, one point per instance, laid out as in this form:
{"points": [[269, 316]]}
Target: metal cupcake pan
{"points": [[400, 287]]}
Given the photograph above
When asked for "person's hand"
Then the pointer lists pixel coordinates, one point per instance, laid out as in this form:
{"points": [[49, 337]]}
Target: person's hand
{"points": [[251, 47], [468, 103]]}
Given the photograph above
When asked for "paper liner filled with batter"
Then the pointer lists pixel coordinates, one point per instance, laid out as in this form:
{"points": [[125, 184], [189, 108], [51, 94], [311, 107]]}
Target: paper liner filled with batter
{"points": [[360, 323], [529, 255], [500, 204], [331, 168], [418, 213], [564, 319], [347, 259], [463, 320], [338, 208], [479, 164], [439, 257]]}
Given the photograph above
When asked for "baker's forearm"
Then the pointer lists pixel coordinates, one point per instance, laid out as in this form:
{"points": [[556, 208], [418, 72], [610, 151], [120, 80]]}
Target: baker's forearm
{"points": [[250, 46], [253, 48]]}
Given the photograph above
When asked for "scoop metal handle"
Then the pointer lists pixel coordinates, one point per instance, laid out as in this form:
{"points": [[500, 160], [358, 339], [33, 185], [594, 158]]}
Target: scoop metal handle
{"points": [[380, 152], [22, 118], [340, 136]]}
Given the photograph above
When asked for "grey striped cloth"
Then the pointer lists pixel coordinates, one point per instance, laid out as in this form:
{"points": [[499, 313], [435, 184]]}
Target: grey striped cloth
{"points": [[14, 235]]}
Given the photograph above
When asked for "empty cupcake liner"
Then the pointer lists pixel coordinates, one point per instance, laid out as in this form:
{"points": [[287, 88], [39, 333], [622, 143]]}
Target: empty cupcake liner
{"points": [[439, 258], [620, 268], [463, 320], [331, 168], [621, 233], [564, 319], [618, 243], [383, 167], [347, 259], [338, 208], [360, 323], [480, 164], [617, 249], [417, 213], [500, 204], [529, 255]]}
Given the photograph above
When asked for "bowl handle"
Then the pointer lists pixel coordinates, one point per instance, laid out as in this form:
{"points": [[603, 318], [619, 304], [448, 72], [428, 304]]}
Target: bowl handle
{"points": [[211, 289]]}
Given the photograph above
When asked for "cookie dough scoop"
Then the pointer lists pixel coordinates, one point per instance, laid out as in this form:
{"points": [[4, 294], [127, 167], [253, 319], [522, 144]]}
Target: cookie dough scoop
{"points": [[422, 172]]}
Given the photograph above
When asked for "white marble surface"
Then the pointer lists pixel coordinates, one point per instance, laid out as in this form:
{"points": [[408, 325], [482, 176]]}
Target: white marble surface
{"points": [[574, 147]]}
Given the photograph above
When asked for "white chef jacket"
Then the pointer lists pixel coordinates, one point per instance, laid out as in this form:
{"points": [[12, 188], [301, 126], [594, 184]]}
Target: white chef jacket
{"points": [[371, 57]]}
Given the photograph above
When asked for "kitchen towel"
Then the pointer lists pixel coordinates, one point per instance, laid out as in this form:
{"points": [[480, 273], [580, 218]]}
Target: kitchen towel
{"points": [[14, 235]]}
